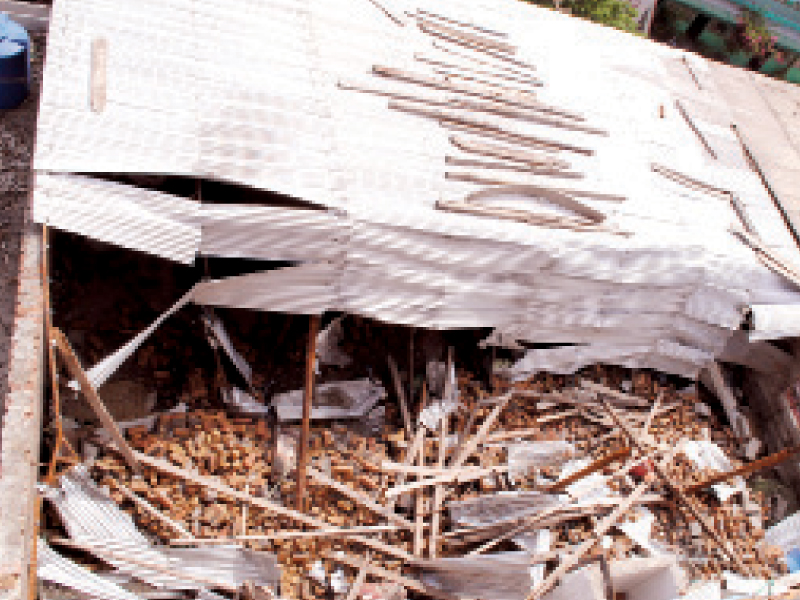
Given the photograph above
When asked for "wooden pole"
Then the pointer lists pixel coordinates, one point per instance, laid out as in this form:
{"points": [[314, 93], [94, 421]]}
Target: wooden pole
{"points": [[305, 430], [438, 492], [763, 463], [76, 370], [411, 368], [589, 469], [401, 397], [419, 504]]}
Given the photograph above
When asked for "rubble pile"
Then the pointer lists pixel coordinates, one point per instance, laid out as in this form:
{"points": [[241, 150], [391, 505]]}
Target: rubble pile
{"points": [[536, 465]]}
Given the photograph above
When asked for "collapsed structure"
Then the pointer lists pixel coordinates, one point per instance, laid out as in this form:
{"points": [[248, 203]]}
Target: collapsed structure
{"points": [[439, 166]]}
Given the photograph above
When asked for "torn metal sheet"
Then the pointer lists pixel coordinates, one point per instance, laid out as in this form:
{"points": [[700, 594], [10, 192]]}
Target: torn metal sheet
{"points": [[502, 576], [502, 506], [214, 325], [100, 372], [524, 456], [54, 568], [329, 339], [242, 401], [337, 400]]}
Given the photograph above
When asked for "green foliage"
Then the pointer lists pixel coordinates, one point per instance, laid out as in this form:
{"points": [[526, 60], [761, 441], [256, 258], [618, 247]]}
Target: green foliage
{"points": [[614, 13]]}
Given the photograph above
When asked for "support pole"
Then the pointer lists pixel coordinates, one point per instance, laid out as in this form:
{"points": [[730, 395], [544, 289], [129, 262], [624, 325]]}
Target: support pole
{"points": [[57, 337], [305, 430]]}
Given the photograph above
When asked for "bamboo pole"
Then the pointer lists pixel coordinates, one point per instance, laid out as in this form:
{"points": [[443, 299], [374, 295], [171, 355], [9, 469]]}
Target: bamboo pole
{"points": [[305, 430]]}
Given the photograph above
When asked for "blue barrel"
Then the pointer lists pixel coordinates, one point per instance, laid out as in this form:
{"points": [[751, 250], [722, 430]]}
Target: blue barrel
{"points": [[15, 63]]}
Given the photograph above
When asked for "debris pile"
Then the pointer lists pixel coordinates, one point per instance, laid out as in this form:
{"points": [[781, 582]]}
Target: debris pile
{"points": [[518, 492]]}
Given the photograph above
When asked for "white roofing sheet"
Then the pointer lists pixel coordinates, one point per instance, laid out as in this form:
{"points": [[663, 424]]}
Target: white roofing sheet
{"points": [[283, 95], [126, 216]]}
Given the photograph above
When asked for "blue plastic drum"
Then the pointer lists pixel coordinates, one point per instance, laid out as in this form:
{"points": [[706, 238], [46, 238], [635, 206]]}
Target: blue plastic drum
{"points": [[15, 64]]}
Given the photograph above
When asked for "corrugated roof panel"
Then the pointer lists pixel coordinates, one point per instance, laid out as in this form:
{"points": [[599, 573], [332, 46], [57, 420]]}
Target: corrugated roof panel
{"points": [[54, 568], [122, 215]]}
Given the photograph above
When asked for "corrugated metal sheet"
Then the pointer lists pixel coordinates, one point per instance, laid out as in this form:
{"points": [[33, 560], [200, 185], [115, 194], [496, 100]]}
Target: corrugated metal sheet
{"points": [[187, 96], [117, 214], [92, 518], [270, 233], [54, 568]]}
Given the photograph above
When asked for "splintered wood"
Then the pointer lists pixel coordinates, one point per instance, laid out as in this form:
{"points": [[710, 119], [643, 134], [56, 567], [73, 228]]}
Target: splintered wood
{"points": [[207, 479]]}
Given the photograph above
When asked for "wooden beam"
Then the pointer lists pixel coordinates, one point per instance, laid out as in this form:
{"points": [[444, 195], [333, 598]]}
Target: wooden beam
{"points": [[77, 372], [411, 457], [401, 397], [459, 475], [763, 463], [602, 528], [285, 535], [98, 76], [438, 492], [305, 429], [376, 571], [615, 396], [589, 469], [419, 503]]}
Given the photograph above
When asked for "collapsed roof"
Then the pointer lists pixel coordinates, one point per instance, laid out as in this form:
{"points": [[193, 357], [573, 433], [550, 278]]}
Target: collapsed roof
{"points": [[466, 164]]}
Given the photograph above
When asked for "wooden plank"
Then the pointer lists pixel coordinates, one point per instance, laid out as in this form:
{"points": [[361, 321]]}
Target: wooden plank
{"points": [[690, 122], [589, 469], [305, 429], [473, 38], [452, 475], [376, 571], [419, 502], [359, 498], [98, 82], [411, 456], [401, 397], [153, 511], [570, 561], [77, 372], [667, 480], [286, 535], [615, 396], [473, 91], [438, 492], [762, 463]]}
